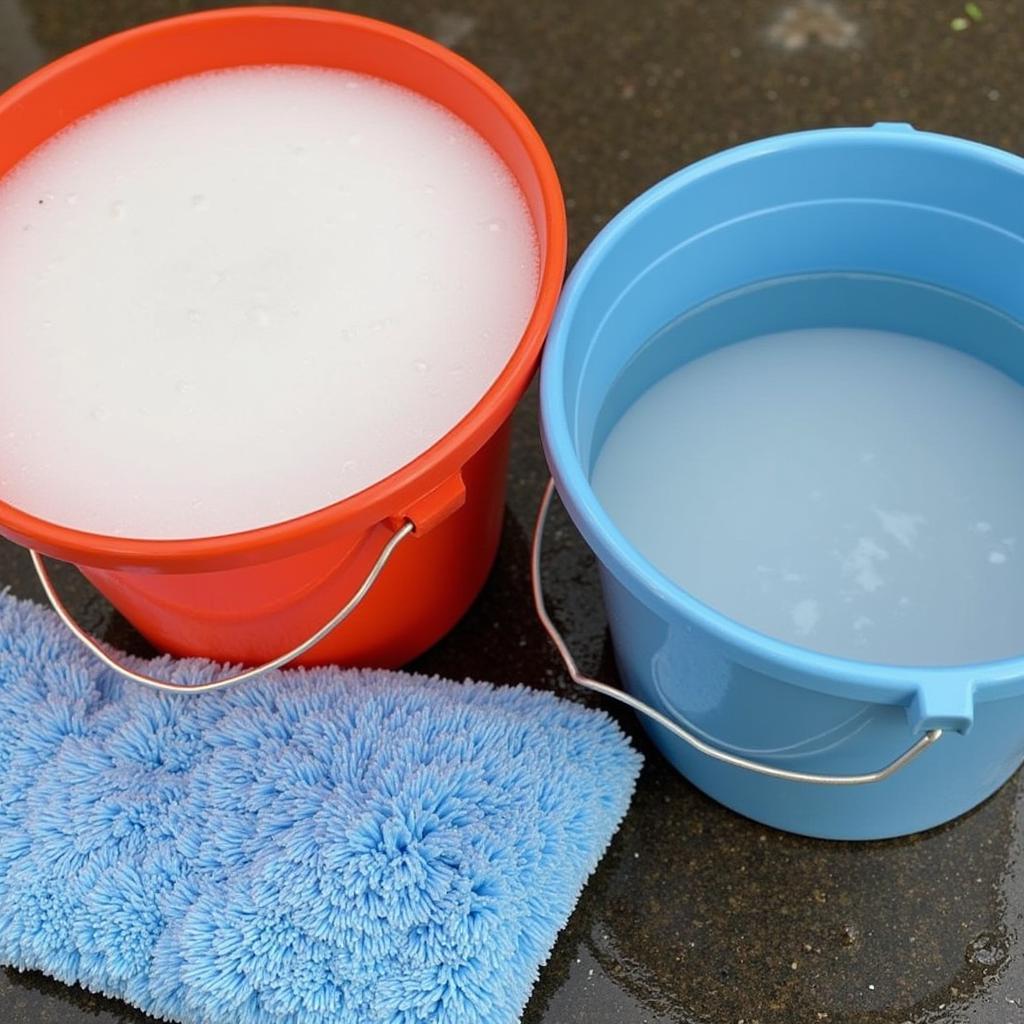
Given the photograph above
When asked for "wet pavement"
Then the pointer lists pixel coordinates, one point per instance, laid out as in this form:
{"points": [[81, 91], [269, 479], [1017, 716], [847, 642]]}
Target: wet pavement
{"points": [[695, 915]]}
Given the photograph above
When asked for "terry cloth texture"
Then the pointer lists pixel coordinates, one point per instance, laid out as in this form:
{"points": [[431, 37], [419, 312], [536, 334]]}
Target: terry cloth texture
{"points": [[322, 846]]}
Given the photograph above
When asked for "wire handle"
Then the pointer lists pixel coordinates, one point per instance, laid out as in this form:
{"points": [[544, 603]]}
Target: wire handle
{"points": [[667, 723], [124, 671]]}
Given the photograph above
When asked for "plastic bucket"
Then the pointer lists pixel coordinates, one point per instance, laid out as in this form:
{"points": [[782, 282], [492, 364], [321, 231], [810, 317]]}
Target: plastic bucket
{"points": [[798, 740], [248, 597]]}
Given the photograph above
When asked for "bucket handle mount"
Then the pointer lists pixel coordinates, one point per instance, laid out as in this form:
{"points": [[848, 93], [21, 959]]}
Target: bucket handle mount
{"points": [[673, 727], [123, 670]]}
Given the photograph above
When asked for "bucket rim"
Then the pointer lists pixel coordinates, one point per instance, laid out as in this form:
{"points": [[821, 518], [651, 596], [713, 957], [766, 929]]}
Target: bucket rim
{"points": [[388, 498], [845, 677]]}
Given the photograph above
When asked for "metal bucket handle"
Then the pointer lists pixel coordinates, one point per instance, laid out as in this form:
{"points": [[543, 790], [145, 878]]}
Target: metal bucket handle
{"points": [[673, 727], [125, 672]]}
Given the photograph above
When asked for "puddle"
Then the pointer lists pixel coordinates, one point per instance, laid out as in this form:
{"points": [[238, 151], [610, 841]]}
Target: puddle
{"points": [[700, 916]]}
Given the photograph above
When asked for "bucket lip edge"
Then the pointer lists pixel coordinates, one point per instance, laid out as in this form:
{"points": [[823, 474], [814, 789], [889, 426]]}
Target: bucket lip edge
{"points": [[813, 670], [446, 456]]}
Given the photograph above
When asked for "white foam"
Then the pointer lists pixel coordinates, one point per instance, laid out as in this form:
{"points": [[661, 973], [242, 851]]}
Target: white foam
{"points": [[240, 297], [743, 477]]}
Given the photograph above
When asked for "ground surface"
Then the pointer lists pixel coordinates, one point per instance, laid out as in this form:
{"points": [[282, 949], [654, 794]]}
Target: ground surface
{"points": [[695, 914]]}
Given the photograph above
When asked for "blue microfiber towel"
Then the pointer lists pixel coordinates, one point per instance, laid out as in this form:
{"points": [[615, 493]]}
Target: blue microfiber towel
{"points": [[319, 847]]}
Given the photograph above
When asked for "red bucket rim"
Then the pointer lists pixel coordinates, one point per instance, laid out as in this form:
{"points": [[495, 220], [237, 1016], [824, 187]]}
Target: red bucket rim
{"points": [[388, 497]]}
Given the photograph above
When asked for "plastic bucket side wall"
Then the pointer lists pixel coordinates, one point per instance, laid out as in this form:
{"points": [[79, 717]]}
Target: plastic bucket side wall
{"points": [[429, 584], [922, 207], [694, 677]]}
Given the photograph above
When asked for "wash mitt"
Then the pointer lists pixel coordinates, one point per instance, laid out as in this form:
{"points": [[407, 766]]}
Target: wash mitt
{"points": [[320, 846]]}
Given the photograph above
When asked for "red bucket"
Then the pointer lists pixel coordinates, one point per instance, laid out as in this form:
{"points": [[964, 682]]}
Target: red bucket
{"points": [[275, 594]]}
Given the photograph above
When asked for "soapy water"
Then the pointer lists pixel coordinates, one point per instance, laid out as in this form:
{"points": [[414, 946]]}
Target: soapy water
{"points": [[853, 491], [242, 296]]}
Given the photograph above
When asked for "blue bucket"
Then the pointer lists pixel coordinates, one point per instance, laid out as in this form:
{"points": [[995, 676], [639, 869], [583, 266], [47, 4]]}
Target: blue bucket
{"points": [[801, 741]]}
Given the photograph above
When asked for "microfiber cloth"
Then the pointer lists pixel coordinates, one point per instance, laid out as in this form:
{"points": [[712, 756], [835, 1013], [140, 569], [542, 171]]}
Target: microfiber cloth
{"points": [[321, 846]]}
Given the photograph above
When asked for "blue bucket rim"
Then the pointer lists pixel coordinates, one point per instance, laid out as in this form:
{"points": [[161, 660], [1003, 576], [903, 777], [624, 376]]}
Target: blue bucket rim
{"points": [[845, 677]]}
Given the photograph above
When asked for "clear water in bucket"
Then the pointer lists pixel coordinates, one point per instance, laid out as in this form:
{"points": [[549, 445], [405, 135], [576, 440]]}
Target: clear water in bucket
{"points": [[240, 297], [839, 475]]}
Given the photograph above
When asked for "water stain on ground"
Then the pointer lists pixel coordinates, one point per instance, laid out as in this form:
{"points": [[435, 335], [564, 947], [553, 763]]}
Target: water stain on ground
{"points": [[711, 918], [802, 24]]}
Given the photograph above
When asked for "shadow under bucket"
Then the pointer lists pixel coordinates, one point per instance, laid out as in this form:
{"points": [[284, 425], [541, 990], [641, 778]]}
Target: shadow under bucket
{"points": [[803, 741], [275, 594]]}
